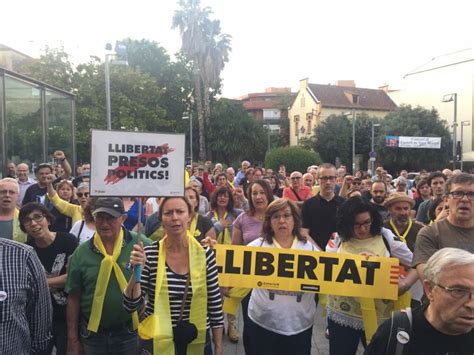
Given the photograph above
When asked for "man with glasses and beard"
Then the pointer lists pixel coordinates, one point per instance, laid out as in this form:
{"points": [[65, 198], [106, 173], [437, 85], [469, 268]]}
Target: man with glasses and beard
{"points": [[456, 230]]}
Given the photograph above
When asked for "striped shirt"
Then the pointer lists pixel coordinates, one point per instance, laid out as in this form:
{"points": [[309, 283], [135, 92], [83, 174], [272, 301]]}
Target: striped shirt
{"points": [[25, 303], [176, 286]]}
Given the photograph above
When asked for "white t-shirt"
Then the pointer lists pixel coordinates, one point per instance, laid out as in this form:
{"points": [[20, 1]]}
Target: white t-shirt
{"points": [[282, 312], [86, 232]]}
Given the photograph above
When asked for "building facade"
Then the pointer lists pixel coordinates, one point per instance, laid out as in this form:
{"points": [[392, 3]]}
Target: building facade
{"points": [[445, 83], [270, 107], [316, 102]]}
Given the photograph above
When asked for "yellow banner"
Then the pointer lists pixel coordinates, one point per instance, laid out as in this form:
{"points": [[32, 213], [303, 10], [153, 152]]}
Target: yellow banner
{"points": [[307, 271]]}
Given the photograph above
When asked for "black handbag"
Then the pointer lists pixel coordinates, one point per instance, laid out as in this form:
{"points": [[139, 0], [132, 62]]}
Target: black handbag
{"points": [[184, 332]]}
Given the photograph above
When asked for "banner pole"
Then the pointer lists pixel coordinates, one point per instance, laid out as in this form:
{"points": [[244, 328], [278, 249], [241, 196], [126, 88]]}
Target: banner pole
{"points": [[138, 269]]}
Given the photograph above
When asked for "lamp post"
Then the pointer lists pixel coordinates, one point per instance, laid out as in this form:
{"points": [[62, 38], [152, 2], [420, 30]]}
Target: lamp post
{"points": [[448, 98], [372, 148], [189, 116], [353, 114], [120, 48], [463, 123]]}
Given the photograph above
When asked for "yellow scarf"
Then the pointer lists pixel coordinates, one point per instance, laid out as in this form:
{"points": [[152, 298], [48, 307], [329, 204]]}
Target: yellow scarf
{"points": [[224, 236], [369, 309], [108, 263], [293, 245], [404, 235], [158, 326]]}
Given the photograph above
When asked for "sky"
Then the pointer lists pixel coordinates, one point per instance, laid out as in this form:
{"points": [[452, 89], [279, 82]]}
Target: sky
{"points": [[274, 43]]}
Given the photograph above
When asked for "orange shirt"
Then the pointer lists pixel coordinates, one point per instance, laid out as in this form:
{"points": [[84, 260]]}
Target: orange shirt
{"points": [[304, 193]]}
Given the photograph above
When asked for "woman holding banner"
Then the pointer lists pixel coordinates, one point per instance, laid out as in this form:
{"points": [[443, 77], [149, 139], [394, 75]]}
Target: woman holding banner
{"points": [[179, 280], [222, 215], [247, 228], [282, 321], [359, 231]]}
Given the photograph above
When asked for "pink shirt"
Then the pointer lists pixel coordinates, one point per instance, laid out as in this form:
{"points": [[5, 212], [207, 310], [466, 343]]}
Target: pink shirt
{"points": [[250, 227]]}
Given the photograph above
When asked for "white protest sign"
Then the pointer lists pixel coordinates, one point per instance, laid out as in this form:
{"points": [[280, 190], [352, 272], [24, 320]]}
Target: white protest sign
{"points": [[137, 164], [419, 142]]}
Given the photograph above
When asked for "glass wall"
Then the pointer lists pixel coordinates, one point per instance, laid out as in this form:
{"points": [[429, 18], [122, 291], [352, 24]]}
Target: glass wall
{"points": [[59, 123], [24, 125], [36, 120]]}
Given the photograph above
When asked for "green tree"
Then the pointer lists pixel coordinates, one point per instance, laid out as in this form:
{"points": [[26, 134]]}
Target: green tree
{"points": [[294, 158], [53, 67], [174, 77], [207, 49], [416, 122], [332, 139], [234, 135]]}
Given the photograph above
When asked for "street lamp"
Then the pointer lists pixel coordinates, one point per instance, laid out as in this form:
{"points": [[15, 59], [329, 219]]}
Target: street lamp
{"points": [[189, 115], [372, 149], [448, 98], [120, 48], [463, 123], [353, 114]]}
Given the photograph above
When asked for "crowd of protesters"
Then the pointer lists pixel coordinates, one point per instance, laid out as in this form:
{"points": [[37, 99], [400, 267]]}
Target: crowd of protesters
{"points": [[67, 261]]}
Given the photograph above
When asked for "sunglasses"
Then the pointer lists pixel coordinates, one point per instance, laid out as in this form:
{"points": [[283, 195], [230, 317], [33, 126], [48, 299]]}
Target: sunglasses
{"points": [[82, 194]]}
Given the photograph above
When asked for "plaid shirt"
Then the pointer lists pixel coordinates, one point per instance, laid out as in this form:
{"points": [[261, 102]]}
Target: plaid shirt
{"points": [[25, 303]]}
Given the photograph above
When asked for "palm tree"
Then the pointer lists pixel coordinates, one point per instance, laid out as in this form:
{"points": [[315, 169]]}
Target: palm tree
{"points": [[208, 50]]}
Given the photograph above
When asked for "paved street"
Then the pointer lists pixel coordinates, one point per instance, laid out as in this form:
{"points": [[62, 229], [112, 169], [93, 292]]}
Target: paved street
{"points": [[320, 343]]}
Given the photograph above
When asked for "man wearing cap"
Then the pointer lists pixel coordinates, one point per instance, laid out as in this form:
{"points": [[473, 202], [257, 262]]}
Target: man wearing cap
{"points": [[399, 206], [97, 276]]}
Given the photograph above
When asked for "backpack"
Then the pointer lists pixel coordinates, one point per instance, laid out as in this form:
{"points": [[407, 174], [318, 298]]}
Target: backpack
{"points": [[400, 331]]}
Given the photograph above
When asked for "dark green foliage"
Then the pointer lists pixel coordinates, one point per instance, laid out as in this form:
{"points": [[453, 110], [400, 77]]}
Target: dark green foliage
{"points": [[294, 158], [234, 135], [417, 122], [333, 139]]}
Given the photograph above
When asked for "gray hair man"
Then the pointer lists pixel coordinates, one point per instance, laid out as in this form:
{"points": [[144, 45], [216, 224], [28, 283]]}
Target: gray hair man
{"points": [[446, 324]]}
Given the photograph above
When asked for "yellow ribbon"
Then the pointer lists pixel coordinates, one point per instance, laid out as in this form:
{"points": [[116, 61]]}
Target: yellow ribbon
{"points": [[108, 263], [232, 302], [402, 237], [192, 227], [158, 326], [224, 236], [369, 316]]}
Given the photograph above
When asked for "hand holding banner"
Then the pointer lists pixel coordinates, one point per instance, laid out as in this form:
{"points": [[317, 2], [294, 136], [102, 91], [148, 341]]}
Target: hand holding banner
{"points": [[307, 271]]}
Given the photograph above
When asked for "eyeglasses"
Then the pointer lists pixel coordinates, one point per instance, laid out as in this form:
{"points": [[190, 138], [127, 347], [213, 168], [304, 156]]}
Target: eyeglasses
{"points": [[360, 225], [356, 183], [327, 178], [277, 217], [27, 221], [457, 195], [295, 178], [82, 194], [457, 293]]}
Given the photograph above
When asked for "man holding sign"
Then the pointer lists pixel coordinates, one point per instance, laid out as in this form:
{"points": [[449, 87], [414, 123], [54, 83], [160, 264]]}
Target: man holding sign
{"points": [[96, 280]]}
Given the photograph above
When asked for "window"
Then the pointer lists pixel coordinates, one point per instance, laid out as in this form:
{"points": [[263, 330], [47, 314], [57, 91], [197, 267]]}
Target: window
{"points": [[271, 114], [355, 99], [309, 121], [302, 103]]}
